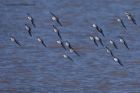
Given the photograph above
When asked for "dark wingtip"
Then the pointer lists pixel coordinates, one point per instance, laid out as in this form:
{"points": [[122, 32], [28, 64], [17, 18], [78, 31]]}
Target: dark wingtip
{"points": [[58, 21], [77, 53], [135, 23], [120, 63], [51, 13]]}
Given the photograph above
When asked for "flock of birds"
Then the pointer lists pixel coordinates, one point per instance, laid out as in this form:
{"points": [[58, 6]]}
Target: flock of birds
{"points": [[66, 45]]}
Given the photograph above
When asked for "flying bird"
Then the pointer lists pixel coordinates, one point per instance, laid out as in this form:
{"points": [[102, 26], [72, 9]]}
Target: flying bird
{"points": [[98, 29], [28, 29], [41, 41], [93, 39], [124, 42], [71, 49], [68, 57], [121, 22], [14, 40], [109, 51], [30, 18], [117, 60], [113, 43], [61, 43], [55, 18], [68, 44], [55, 29], [130, 17], [99, 40]]}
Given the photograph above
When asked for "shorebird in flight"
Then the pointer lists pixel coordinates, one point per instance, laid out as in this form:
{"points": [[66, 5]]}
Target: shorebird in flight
{"points": [[93, 39], [71, 49], [113, 43], [41, 41], [117, 60], [123, 42], [130, 17], [121, 22], [68, 57], [109, 51], [55, 18], [98, 29], [61, 43], [14, 40], [55, 29], [99, 40], [30, 18], [28, 29]]}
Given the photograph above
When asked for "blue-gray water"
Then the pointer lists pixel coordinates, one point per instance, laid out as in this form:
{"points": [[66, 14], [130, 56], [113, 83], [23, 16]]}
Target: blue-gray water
{"points": [[35, 69]]}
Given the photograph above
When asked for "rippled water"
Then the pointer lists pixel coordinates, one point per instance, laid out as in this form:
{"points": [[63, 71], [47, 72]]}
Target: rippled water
{"points": [[35, 69]]}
